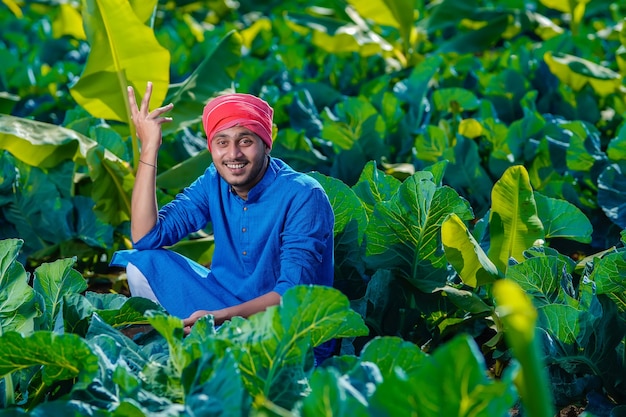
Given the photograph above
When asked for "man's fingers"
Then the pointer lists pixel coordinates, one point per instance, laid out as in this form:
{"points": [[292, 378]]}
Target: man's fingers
{"points": [[145, 101], [132, 101]]}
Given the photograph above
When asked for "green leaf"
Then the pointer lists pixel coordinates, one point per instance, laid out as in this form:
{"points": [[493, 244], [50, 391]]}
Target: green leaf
{"points": [[610, 279], [17, 298], [403, 233], [562, 321], [346, 205], [123, 52], [171, 328], [466, 300], [112, 186], [131, 312], [53, 281], [398, 14], [455, 100], [468, 176], [562, 219], [41, 144], [272, 346], [465, 254], [349, 229], [305, 315], [62, 356], [578, 72], [611, 194], [390, 353], [477, 40], [546, 279], [46, 146], [514, 225], [374, 186], [616, 149], [333, 395], [450, 382], [213, 386], [205, 82]]}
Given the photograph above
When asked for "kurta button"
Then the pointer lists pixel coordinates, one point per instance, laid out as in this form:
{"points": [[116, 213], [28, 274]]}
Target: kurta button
{"points": [[243, 229], [244, 253], [245, 209]]}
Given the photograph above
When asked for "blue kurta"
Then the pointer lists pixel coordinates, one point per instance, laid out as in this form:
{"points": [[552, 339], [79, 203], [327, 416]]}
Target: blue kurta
{"points": [[281, 236]]}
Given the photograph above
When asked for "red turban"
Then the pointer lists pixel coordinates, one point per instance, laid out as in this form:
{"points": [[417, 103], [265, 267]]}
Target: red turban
{"points": [[224, 112]]}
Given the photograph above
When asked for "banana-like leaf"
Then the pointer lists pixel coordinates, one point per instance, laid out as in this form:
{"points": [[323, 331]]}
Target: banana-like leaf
{"points": [[124, 51], [465, 254], [399, 14], [45, 146], [514, 225]]}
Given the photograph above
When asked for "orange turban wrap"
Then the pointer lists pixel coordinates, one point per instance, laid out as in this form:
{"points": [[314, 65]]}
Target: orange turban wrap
{"points": [[224, 112]]}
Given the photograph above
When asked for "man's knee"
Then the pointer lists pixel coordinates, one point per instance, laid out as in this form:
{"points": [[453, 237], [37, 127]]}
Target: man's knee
{"points": [[138, 283]]}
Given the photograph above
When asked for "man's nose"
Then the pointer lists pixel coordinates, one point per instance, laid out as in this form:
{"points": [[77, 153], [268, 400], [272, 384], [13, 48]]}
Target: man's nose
{"points": [[234, 150]]}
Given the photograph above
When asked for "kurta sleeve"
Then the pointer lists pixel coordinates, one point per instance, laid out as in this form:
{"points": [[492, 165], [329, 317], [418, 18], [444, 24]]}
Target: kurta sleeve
{"points": [[306, 241], [188, 213]]}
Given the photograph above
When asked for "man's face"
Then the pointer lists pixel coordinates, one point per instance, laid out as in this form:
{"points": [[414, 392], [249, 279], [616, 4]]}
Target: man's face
{"points": [[240, 157]]}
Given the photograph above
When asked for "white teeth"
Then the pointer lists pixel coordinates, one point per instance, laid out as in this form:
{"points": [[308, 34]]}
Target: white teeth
{"points": [[235, 166]]}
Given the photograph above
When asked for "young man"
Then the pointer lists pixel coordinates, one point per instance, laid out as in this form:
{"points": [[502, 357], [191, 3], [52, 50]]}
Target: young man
{"points": [[273, 226]]}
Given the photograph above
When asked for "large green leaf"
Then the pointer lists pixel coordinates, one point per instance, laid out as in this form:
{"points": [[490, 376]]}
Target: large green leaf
{"points": [[349, 229], [333, 395], [404, 233], [346, 205], [46, 146], [52, 282], [112, 186], [41, 144], [546, 279], [451, 382], [374, 186], [63, 356], [390, 353], [610, 279], [124, 52], [17, 309], [514, 225], [562, 219], [272, 345], [465, 254]]}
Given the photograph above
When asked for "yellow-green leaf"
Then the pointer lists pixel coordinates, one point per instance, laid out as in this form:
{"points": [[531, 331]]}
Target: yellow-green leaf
{"points": [[124, 51], [470, 128], [578, 72], [514, 225], [465, 254], [68, 22]]}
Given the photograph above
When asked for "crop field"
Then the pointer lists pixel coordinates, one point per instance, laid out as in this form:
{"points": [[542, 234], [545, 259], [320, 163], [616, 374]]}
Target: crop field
{"points": [[474, 153]]}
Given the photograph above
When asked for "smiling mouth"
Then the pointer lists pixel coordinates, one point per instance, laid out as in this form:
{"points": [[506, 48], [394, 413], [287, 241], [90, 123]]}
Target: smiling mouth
{"points": [[232, 165]]}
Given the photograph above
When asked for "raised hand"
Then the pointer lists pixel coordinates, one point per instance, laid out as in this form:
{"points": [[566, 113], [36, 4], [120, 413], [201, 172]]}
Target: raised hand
{"points": [[148, 123]]}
